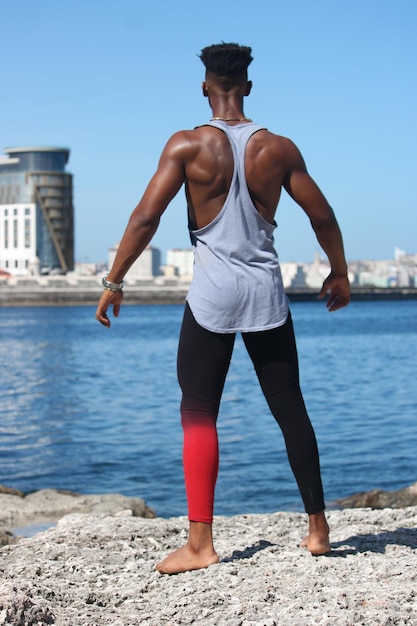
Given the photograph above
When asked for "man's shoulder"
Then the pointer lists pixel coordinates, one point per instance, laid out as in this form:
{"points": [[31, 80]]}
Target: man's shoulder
{"points": [[185, 137], [181, 135], [275, 142], [276, 137], [180, 143], [188, 142]]}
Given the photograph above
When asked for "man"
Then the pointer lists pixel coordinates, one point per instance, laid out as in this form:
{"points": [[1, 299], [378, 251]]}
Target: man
{"points": [[233, 171]]}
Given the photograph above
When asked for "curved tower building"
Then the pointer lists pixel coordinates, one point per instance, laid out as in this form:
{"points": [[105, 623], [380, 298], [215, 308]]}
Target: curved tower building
{"points": [[36, 211]]}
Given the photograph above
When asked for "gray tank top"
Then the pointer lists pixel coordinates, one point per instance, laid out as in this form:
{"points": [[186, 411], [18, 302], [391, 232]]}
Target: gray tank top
{"points": [[237, 284]]}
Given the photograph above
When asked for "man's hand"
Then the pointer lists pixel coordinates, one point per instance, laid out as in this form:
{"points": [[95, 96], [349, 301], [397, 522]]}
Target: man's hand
{"points": [[339, 292], [108, 299]]}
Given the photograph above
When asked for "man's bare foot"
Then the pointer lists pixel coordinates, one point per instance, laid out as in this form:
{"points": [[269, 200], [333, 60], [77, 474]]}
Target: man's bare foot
{"points": [[316, 544], [185, 559], [317, 540], [197, 553]]}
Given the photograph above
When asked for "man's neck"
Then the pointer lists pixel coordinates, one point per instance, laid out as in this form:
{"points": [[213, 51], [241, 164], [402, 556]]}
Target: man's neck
{"points": [[227, 108]]}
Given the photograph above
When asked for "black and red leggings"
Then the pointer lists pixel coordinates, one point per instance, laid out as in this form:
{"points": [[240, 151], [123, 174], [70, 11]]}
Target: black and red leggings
{"points": [[203, 362]]}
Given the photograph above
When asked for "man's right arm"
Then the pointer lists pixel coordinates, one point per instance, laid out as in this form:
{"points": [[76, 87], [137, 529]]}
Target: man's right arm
{"points": [[302, 188], [144, 221]]}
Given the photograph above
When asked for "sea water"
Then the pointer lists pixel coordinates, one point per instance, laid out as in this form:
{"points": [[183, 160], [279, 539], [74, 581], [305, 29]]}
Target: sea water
{"points": [[95, 410]]}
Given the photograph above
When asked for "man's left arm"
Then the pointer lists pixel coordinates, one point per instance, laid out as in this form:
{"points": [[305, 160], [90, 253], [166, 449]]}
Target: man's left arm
{"points": [[303, 189]]}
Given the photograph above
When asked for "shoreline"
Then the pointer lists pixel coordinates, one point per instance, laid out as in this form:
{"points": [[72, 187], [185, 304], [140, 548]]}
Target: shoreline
{"points": [[24, 515]]}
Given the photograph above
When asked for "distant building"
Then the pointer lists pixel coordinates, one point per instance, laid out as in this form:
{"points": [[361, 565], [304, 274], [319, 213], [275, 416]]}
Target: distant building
{"points": [[288, 272], [373, 279], [299, 279], [36, 211], [182, 260], [147, 266]]}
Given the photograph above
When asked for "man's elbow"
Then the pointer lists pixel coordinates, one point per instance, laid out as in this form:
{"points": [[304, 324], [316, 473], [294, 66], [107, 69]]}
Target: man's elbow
{"points": [[144, 222], [325, 220]]}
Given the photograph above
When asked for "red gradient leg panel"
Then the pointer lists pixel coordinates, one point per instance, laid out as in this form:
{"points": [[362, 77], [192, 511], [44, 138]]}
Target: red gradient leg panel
{"points": [[201, 463]]}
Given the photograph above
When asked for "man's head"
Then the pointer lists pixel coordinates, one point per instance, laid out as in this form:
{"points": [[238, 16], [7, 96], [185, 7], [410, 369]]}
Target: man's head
{"points": [[227, 64]]}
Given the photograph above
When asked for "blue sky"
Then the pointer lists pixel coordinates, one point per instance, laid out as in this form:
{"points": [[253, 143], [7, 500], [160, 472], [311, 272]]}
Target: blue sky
{"points": [[113, 80]]}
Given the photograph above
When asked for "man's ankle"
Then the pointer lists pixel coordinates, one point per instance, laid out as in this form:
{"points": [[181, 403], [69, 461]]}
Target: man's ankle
{"points": [[200, 536]]}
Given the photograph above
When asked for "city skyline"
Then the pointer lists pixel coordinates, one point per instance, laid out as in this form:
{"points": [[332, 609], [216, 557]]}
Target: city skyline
{"points": [[338, 84], [318, 251]]}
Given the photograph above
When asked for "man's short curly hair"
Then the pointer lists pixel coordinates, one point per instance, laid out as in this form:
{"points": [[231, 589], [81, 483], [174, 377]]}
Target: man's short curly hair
{"points": [[227, 60]]}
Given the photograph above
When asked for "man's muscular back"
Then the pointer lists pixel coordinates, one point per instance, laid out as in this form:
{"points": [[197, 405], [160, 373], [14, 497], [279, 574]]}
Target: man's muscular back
{"points": [[271, 162], [208, 161]]}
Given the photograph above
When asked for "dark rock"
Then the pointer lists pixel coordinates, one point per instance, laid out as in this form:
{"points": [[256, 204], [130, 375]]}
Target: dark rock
{"points": [[7, 538], [11, 492], [379, 499]]}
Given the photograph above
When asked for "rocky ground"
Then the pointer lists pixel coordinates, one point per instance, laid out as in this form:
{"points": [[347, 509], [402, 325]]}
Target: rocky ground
{"points": [[98, 569]]}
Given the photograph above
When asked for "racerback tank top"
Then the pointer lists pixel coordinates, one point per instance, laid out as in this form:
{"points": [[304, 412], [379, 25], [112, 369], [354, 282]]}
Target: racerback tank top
{"points": [[237, 284]]}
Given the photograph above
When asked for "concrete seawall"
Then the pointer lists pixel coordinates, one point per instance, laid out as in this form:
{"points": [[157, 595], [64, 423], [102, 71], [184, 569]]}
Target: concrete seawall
{"points": [[70, 296], [60, 291]]}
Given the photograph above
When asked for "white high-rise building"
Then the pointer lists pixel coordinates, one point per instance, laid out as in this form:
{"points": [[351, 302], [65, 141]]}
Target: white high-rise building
{"points": [[182, 260], [147, 266]]}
